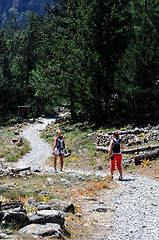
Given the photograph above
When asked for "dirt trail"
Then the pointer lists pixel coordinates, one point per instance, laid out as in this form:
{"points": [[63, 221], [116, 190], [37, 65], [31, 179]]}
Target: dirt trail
{"points": [[40, 149]]}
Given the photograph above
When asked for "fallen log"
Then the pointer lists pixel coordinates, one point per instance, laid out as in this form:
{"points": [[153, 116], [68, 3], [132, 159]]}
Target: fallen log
{"points": [[133, 150], [146, 148], [135, 131], [18, 170], [152, 155], [67, 154], [101, 148]]}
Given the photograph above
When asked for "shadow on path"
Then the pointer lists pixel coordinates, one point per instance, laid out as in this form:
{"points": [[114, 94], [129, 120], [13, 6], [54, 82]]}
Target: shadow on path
{"points": [[128, 180]]}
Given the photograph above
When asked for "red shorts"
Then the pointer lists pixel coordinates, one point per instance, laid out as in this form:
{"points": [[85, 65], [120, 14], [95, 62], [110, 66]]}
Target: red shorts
{"points": [[118, 159]]}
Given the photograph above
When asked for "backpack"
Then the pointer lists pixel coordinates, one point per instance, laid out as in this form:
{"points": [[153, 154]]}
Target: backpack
{"points": [[116, 146], [60, 142]]}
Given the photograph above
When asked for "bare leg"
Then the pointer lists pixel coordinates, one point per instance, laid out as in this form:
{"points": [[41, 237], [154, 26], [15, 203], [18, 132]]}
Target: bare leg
{"points": [[120, 171], [55, 160], [61, 160], [112, 173]]}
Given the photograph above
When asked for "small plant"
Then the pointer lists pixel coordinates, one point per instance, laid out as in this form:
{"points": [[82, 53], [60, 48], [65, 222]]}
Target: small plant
{"points": [[3, 199], [45, 198], [142, 136], [74, 158], [145, 162]]}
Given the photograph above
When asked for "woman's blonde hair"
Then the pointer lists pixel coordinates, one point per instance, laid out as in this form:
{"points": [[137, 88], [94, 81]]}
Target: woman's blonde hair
{"points": [[58, 131]]}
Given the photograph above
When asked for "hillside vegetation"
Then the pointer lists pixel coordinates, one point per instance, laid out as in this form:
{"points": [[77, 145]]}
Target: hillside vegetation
{"points": [[96, 58]]}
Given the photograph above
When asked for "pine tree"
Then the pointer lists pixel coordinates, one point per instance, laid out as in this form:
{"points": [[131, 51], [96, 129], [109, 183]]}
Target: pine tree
{"points": [[138, 69]]}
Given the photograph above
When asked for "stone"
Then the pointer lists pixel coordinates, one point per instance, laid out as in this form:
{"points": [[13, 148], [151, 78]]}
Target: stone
{"points": [[19, 142], [100, 167], [65, 182], [48, 229], [52, 216], [43, 116], [5, 236], [43, 207], [16, 132], [32, 120], [19, 219], [36, 219], [61, 205], [101, 209], [14, 140], [79, 215], [14, 206], [50, 181]]}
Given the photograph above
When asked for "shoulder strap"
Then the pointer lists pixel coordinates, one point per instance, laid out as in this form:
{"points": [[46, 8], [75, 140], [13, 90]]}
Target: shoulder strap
{"points": [[116, 140]]}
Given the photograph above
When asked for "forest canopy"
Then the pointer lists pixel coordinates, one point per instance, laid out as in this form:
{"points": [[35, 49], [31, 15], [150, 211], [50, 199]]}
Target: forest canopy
{"points": [[100, 59]]}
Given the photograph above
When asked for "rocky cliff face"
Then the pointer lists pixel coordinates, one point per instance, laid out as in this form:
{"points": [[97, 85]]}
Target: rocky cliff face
{"points": [[20, 8]]}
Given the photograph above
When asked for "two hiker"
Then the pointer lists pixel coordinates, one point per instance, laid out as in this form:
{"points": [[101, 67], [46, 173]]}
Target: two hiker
{"points": [[58, 149], [116, 146]]}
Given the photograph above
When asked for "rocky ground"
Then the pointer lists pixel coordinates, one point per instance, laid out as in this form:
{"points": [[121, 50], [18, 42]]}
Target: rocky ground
{"points": [[121, 210]]}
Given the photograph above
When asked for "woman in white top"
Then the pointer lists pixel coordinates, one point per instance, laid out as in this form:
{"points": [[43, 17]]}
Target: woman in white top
{"points": [[58, 149]]}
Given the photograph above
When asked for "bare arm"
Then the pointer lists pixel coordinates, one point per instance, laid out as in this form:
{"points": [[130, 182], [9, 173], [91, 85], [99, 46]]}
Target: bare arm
{"points": [[110, 149], [121, 144], [55, 144]]}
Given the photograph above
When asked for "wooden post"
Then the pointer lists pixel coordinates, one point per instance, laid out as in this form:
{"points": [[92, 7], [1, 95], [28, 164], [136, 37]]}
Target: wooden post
{"points": [[22, 110]]}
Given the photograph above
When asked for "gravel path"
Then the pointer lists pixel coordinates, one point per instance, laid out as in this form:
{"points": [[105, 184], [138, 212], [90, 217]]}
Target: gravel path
{"points": [[40, 149], [137, 209], [136, 203]]}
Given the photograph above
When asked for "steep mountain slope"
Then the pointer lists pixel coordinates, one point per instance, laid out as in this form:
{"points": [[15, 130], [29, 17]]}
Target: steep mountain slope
{"points": [[20, 8]]}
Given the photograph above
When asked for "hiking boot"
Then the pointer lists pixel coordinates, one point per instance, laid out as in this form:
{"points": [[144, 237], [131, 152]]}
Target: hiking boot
{"points": [[120, 178], [111, 177]]}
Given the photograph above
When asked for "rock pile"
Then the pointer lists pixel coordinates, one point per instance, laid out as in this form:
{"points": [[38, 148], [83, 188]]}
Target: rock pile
{"points": [[48, 220], [130, 136]]}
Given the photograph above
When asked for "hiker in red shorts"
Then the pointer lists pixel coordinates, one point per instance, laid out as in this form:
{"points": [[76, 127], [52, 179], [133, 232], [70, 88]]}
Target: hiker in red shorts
{"points": [[116, 146]]}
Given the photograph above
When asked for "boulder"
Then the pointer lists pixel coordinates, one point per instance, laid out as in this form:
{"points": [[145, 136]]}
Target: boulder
{"points": [[14, 206], [48, 229], [19, 219], [18, 141], [61, 205], [13, 213], [36, 219], [52, 216]]}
